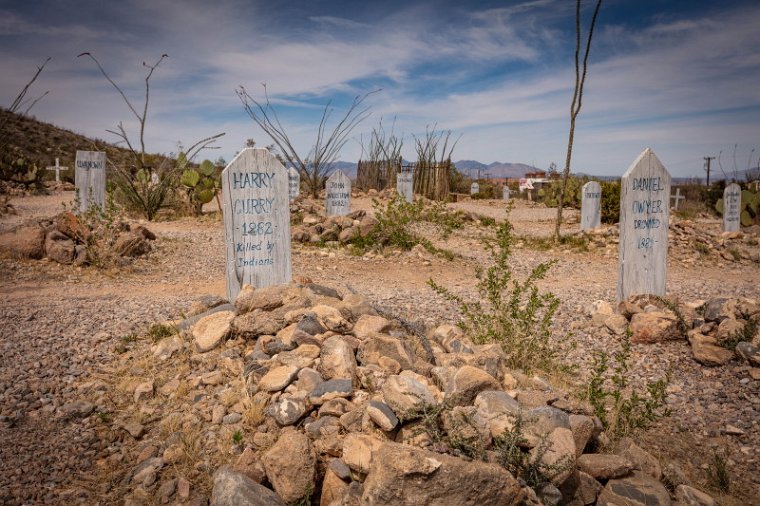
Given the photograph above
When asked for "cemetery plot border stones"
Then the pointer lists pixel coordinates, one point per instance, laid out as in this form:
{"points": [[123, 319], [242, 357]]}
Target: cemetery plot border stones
{"points": [[338, 194], [591, 206], [644, 220], [256, 221], [90, 179], [732, 198]]}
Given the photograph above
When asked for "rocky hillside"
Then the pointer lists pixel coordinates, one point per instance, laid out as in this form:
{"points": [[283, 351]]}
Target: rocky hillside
{"points": [[40, 143]]}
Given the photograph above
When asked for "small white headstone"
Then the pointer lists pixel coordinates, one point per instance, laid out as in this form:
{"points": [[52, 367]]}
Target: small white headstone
{"points": [[732, 200], [57, 168], [474, 188], [338, 194], [591, 206], [505, 193], [154, 179], [256, 221], [644, 220], [405, 184], [294, 183], [676, 197], [90, 179]]}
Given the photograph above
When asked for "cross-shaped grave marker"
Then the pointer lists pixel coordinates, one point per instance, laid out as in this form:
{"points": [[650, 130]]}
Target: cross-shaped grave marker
{"points": [[677, 197], [57, 168]]}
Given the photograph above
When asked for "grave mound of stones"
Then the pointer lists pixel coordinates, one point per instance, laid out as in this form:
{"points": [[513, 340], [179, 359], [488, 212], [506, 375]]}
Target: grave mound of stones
{"points": [[708, 326], [64, 237], [689, 242], [304, 391]]}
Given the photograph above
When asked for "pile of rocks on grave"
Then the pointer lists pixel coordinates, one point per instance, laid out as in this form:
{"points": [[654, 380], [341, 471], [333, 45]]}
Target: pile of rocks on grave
{"points": [[65, 237], [717, 329], [690, 243], [341, 386]]}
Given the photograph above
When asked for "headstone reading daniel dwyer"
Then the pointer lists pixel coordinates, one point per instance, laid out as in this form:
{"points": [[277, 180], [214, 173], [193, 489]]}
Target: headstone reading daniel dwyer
{"points": [[294, 183], [591, 206], [338, 194], [732, 200], [405, 184], [90, 179], [644, 219], [256, 221], [474, 188]]}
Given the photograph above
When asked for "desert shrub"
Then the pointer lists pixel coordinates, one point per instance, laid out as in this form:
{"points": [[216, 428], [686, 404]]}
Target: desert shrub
{"points": [[718, 473], [620, 407], [509, 312], [139, 195], [395, 221], [610, 201], [103, 227], [572, 193]]}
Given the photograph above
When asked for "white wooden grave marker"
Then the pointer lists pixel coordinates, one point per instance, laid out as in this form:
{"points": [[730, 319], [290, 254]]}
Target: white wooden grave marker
{"points": [[294, 183], [676, 197], [405, 184], [591, 206], [474, 188], [57, 168], [256, 221], [338, 194], [644, 220], [90, 179], [732, 199], [505, 193]]}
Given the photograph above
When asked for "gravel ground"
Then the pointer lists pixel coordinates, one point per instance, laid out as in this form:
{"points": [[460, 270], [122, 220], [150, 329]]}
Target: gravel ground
{"points": [[59, 326]]}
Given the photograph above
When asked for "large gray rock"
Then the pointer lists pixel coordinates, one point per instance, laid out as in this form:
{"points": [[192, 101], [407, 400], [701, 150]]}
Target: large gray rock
{"points": [[749, 352], [290, 465], [604, 466], [638, 489], [374, 348], [689, 496], [655, 327], [211, 330], [498, 409], [233, 488], [249, 298], [406, 395], [59, 247], [410, 476], [467, 383], [337, 359]]}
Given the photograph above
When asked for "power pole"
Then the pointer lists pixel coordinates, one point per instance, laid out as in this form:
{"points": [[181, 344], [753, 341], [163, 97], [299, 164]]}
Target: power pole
{"points": [[707, 167]]}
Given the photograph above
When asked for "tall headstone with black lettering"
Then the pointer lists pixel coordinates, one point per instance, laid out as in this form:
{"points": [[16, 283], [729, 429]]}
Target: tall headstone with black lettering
{"points": [[338, 194], [405, 184], [591, 206], [644, 219], [294, 183], [256, 221], [732, 200], [474, 188], [505, 193], [90, 179]]}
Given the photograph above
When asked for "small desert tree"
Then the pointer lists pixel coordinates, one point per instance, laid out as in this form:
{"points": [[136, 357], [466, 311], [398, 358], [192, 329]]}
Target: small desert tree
{"points": [[575, 106], [315, 166], [135, 183]]}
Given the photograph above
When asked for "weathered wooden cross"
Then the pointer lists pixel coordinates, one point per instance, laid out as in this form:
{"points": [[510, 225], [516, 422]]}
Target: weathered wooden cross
{"points": [[677, 197], [57, 168]]}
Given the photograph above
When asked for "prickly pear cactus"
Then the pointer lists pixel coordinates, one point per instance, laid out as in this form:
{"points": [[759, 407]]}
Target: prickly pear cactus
{"points": [[201, 184]]}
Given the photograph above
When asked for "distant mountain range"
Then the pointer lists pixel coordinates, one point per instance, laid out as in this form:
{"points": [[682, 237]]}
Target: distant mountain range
{"points": [[467, 167]]}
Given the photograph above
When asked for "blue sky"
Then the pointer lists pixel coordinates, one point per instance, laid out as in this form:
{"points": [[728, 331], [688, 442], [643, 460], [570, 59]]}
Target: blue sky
{"points": [[681, 77]]}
